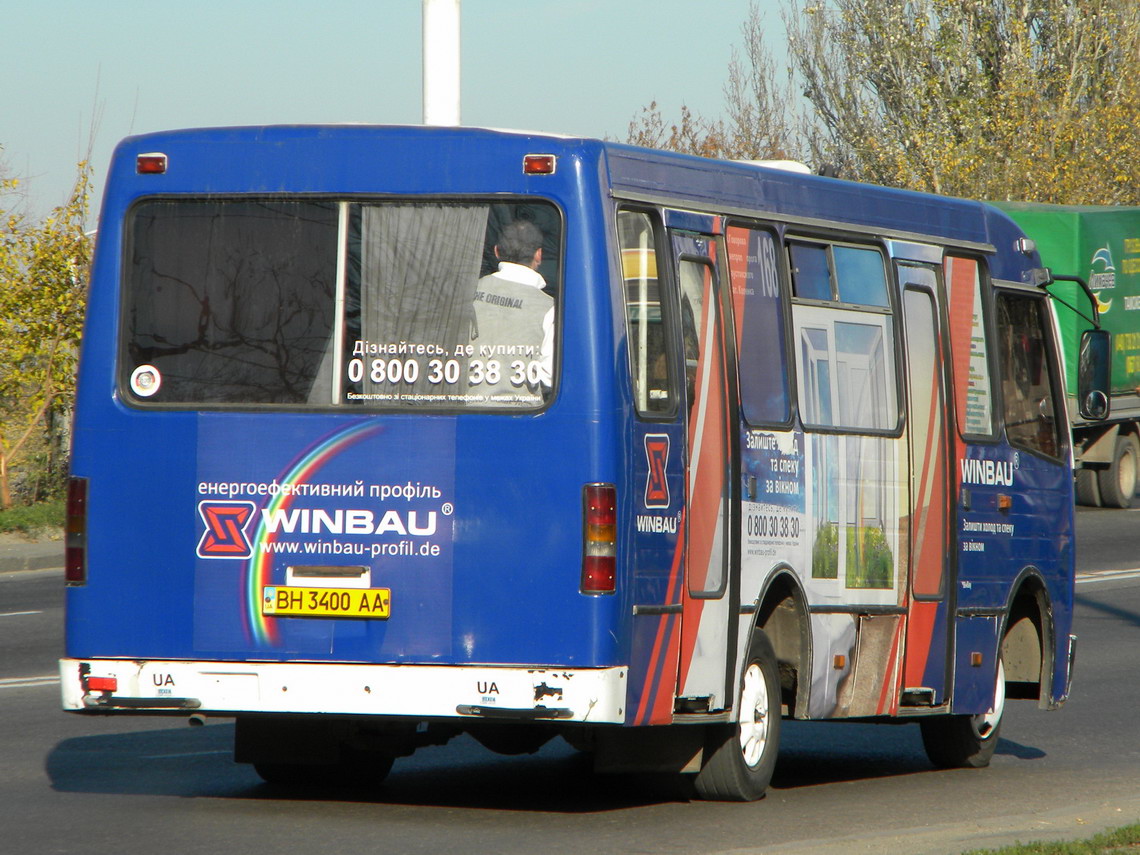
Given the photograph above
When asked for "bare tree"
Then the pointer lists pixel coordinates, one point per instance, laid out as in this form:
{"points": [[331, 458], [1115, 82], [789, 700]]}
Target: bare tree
{"points": [[760, 111], [996, 99], [987, 98], [759, 99], [690, 135]]}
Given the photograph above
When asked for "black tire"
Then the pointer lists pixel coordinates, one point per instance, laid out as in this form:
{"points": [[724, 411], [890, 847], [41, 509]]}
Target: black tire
{"points": [[966, 741], [1118, 482], [1087, 489], [358, 770], [740, 758], [291, 775]]}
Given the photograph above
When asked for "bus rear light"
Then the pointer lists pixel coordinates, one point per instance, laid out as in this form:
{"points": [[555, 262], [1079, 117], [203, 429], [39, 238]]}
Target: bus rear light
{"points": [[152, 163], [597, 575], [539, 164], [102, 684], [599, 539], [75, 544]]}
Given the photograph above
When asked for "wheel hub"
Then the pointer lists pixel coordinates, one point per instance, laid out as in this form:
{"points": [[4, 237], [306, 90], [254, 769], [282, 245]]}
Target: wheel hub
{"points": [[753, 715]]}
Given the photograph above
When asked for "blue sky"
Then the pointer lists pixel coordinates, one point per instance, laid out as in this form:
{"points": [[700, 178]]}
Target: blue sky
{"points": [[75, 71]]}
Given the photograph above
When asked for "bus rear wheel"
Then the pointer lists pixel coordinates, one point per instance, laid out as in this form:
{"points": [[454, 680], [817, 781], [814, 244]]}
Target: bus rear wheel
{"points": [[740, 758], [357, 770], [966, 741]]}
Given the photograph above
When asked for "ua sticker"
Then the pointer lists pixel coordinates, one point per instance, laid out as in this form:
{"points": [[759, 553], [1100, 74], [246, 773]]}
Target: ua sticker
{"points": [[656, 482], [224, 536]]}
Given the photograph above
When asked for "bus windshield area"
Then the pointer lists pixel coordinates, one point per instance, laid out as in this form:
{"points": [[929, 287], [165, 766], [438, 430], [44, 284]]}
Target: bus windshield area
{"points": [[318, 303]]}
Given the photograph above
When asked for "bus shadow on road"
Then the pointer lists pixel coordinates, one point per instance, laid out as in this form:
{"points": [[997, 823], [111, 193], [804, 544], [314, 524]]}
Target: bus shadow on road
{"points": [[1089, 600], [198, 763], [819, 752], [171, 761], [185, 762]]}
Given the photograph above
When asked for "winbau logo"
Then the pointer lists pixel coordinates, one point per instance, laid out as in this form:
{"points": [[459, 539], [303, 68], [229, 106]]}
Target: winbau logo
{"points": [[987, 472], [656, 482], [224, 536]]}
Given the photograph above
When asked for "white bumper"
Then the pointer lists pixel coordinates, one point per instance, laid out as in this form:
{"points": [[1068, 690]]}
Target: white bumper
{"points": [[595, 695]]}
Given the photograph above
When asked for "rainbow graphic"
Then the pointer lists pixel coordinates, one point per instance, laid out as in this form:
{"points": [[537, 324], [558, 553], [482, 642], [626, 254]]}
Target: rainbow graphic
{"points": [[262, 630]]}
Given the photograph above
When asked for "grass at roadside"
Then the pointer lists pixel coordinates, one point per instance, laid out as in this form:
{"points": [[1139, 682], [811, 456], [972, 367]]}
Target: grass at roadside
{"points": [[1120, 840], [32, 519]]}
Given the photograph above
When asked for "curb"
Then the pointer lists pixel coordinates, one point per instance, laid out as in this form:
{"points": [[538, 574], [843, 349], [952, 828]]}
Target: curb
{"points": [[17, 557]]}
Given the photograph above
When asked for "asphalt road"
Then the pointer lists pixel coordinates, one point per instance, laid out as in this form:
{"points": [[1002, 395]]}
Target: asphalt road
{"points": [[74, 784]]}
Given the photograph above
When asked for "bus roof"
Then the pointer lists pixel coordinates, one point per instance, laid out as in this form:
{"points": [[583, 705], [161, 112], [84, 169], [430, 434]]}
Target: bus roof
{"points": [[343, 158]]}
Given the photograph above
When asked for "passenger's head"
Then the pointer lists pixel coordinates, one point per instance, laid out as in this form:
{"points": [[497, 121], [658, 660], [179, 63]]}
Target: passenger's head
{"points": [[519, 242]]}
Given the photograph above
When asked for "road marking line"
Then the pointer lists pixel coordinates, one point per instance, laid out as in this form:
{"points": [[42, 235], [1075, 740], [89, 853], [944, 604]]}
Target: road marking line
{"points": [[1106, 575], [19, 614], [26, 682]]}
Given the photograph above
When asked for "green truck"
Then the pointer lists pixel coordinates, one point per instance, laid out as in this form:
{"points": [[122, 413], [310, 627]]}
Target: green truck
{"points": [[1100, 245]]}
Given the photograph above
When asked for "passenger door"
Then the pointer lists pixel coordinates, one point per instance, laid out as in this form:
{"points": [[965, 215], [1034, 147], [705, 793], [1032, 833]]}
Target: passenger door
{"points": [[925, 673], [706, 671]]}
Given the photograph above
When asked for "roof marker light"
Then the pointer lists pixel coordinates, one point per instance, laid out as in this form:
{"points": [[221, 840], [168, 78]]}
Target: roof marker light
{"points": [[539, 164], [151, 163]]}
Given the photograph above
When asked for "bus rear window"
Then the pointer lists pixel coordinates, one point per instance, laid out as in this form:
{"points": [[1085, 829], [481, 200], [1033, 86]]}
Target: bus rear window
{"points": [[313, 303]]}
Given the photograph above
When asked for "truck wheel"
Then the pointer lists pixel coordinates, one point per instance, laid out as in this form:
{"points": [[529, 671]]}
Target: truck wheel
{"points": [[740, 758], [1118, 482], [965, 741], [1087, 489]]}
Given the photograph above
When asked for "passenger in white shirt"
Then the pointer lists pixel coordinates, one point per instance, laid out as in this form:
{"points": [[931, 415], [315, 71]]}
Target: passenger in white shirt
{"points": [[513, 312]]}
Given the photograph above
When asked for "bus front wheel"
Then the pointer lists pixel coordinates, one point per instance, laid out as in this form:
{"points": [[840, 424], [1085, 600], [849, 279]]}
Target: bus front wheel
{"points": [[740, 758], [966, 741]]}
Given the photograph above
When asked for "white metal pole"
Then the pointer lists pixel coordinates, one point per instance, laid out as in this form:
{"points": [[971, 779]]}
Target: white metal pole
{"points": [[441, 62]]}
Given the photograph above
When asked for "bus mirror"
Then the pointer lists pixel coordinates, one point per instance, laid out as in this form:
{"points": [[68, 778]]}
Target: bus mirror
{"points": [[1039, 277], [1093, 374], [1043, 277], [1095, 405]]}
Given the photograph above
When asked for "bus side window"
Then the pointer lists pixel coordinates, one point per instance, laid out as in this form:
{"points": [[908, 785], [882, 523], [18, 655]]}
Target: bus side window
{"points": [[1027, 383], [645, 319], [847, 371], [846, 349], [861, 276], [696, 277], [811, 271], [758, 309], [969, 346]]}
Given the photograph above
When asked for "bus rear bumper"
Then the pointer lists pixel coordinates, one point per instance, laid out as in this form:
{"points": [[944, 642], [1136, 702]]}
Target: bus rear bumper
{"points": [[593, 695]]}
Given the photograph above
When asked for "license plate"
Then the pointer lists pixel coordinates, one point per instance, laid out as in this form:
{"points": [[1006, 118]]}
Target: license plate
{"points": [[291, 601]]}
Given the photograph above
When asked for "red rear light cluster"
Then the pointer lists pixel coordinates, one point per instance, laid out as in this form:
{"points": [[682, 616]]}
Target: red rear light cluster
{"points": [[599, 539], [76, 533]]}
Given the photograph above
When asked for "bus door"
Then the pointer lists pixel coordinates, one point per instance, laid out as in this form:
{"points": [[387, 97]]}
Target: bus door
{"points": [[706, 670], [1016, 507], [926, 673]]}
